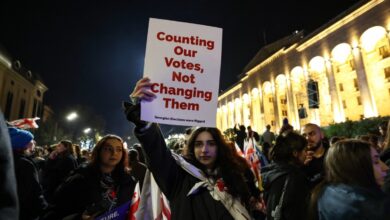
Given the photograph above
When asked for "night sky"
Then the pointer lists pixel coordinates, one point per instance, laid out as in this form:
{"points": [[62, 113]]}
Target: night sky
{"points": [[92, 52]]}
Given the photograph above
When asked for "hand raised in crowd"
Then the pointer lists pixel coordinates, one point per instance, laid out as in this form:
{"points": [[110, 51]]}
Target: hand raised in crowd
{"points": [[142, 90], [309, 157]]}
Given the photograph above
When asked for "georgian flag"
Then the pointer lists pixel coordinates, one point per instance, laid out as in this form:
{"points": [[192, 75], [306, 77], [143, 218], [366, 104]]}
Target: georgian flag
{"points": [[135, 201], [25, 123], [238, 150], [254, 160]]}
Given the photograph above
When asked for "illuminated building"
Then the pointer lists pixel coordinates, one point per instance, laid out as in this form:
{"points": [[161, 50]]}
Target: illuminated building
{"points": [[348, 59], [21, 91]]}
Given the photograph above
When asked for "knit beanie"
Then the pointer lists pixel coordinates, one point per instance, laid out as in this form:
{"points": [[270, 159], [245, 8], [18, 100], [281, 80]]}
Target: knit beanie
{"points": [[19, 138]]}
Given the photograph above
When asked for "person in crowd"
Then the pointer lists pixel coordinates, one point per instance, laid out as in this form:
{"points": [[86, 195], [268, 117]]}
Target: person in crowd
{"points": [[266, 149], [31, 200], [268, 136], [351, 188], [213, 183], [385, 154], [86, 155], [137, 169], [58, 166], [315, 154], [141, 156], [334, 139], [38, 158], [286, 127], [9, 208], [286, 188], [240, 136], [382, 128], [81, 160], [105, 183], [252, 135]]}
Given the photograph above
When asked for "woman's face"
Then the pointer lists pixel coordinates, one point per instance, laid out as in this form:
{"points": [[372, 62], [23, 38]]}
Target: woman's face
{"points": [[111, 153], [380, 168], [205, 149], [60, 148]]}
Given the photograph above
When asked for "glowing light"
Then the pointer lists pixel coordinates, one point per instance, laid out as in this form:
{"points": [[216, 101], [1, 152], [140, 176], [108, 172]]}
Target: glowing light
{"points": [[267, 87], [317, 64], [246, 98], [231, 106], [341, 52], [371, 37], [72, 116], [224, 108], [237, 101], [281, 82], [297, 72], [255, 92], [87, 130]]}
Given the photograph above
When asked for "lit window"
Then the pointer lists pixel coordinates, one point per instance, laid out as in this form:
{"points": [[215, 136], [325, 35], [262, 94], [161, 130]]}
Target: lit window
{"points": [[387, 73], [384, 51], [344, 104], [341, 87], [359, 100], [351, 64], [355, 84]]}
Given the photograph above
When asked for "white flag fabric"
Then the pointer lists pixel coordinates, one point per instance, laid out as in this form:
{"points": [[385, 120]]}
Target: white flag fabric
{"points": [[25, 123], [154, 205]]}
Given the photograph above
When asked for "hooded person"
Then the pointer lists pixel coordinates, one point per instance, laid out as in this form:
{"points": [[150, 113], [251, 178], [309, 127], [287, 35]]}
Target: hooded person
{"points": [[30, 195]]}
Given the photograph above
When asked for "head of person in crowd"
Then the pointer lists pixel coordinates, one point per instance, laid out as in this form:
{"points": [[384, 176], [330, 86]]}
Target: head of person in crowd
{"points": [[110, 156], [286, 127], [77, 150], [208, 150], [313, 135], [383, 128], [268, 127], [86, 154], [133, 156], [141, 156], [356, 163], [22, 141], [334, 139], [63, 148], [290, 148]]}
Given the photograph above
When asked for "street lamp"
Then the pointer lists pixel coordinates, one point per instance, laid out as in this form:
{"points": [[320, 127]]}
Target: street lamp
{"points": [[72, 116], [87, 130]]}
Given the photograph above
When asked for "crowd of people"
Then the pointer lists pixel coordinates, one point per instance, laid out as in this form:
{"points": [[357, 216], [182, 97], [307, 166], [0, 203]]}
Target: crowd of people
{"points": [[298, 174]]}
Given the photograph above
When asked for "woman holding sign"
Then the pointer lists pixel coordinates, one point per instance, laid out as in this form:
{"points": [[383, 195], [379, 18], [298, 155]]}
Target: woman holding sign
{"points": [[214, 183], [102, 186]]}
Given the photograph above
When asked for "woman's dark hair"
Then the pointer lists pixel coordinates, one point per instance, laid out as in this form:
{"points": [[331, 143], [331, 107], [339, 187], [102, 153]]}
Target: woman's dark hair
{"points": [[68, 146], [231, 166], [285, 146], [121, 167], [347, 162], [77, 150]]}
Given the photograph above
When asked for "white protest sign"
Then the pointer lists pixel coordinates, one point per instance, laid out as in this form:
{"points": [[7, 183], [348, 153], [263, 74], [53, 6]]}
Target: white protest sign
{"points": [[183, 62]]}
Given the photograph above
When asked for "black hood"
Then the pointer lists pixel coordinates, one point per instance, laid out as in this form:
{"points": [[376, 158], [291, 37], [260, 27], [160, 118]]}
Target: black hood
{"points": [[273, 171]]}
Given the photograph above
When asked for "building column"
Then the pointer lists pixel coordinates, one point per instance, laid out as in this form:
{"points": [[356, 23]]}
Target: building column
{"points": [[261, 103], [276, 104], [293, 111], [369, 106], [338, 111]]}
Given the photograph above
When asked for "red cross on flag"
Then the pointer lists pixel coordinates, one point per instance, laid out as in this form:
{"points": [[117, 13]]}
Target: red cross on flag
{"points": [[25, 123]]}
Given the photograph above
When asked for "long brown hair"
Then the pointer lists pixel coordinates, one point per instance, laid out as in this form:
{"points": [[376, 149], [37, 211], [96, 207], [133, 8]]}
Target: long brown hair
{"points": [[347, 162], [231, 166], [122, 166]]}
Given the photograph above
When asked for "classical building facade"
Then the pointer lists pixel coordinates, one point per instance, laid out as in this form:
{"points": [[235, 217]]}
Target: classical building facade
{"points": [[343, 68], [21, 91]]}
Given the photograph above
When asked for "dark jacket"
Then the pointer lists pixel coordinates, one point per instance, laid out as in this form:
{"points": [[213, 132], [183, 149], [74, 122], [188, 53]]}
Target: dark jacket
{"points": [[9, 200], [83, 190], [138, 170], [175, 183], [297, 192], [30, 194], [343, 202], [55, 172]]}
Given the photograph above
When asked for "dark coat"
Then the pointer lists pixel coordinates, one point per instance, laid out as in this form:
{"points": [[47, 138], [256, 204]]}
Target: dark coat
{"points": [[83, 190], [175, 183], [55, 172], [297, 193], [30, 194], [9, 199], [343, 202]]}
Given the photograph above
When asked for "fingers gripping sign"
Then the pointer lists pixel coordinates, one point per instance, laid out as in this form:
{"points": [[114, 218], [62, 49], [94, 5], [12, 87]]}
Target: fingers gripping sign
{"points": [[142, 91]]}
